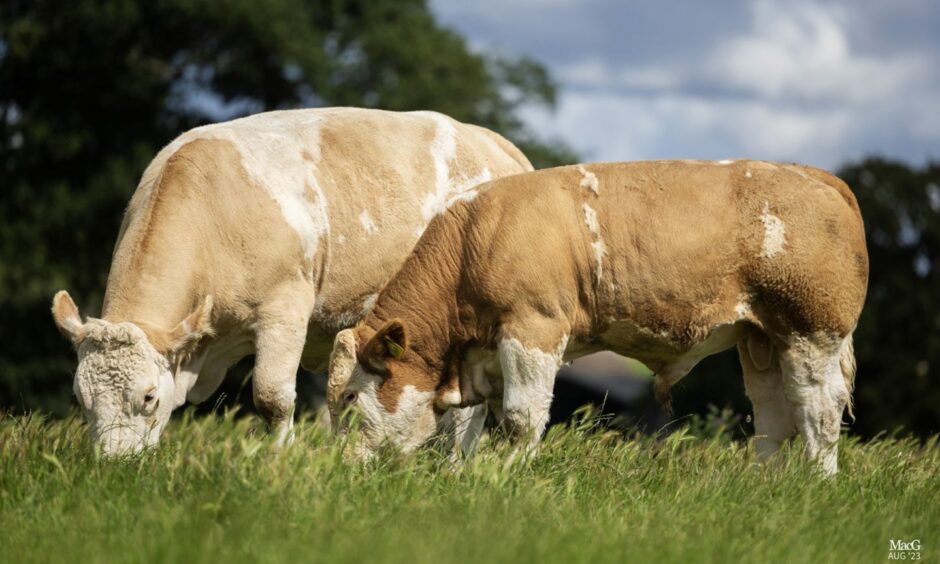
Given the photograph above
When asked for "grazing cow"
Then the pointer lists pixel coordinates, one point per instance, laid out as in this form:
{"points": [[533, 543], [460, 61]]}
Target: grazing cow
{"points": [[667, 262], [264, 235]]}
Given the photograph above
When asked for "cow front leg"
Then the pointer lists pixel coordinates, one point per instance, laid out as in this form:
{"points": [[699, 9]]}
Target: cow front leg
{"points": [[465, 426], [279, 343], [528, 380]]}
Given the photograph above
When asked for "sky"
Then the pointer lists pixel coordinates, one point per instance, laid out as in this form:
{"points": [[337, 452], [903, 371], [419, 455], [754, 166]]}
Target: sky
{"points": [[820, 82]]}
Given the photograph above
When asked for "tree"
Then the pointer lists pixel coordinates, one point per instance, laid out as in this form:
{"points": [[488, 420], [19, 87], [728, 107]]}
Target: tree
{"points": [[89, 91], [898, 337]]}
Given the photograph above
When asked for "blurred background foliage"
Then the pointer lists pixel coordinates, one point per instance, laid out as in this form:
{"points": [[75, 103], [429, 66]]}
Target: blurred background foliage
{"points": [[90, 90]]}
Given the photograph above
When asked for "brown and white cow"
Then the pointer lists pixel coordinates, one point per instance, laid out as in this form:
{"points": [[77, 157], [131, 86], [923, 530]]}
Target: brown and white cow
{"points": [[263, 235], [667, 262]]}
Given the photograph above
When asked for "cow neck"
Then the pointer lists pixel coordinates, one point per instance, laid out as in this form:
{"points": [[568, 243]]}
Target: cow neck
{"points": [[156, 296], [423, 296], [153, 272]]}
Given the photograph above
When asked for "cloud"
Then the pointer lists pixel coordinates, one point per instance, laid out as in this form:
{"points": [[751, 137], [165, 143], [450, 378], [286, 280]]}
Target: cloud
{"points": [[595, 73], [800, 50], [815, 81], [618, 127]]}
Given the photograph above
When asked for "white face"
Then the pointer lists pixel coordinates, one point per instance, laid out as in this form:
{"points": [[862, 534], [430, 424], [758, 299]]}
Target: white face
{"points": [[124, 386], [413, 421]]}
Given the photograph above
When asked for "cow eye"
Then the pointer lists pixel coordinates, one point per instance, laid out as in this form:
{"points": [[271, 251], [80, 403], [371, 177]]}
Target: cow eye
{"points": [[350, 397], [150, 398]]}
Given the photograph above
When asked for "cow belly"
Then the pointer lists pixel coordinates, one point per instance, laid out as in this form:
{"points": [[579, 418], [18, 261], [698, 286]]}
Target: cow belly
{"points": [[216, 361], [664, 347]]}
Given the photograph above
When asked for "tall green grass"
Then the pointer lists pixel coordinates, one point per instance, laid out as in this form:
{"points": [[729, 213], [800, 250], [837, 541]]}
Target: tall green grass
{"points": [[215, 492]]}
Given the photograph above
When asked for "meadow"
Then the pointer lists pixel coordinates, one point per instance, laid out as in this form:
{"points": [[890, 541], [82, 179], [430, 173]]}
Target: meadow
{"points": [[215, 491]]}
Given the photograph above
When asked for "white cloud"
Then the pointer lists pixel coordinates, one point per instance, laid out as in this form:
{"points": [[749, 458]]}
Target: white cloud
{"points": [[494, 9], [619, 127], [792, 88], [816, 81], [595, 73], [801, 49]]}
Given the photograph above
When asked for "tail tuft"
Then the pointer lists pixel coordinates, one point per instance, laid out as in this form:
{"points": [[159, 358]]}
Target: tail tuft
{"points": [[847, 363], [662, 390]]}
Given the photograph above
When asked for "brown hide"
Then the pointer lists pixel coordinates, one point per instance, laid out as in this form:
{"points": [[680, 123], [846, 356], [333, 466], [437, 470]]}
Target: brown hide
{"points": [[646, 259]]}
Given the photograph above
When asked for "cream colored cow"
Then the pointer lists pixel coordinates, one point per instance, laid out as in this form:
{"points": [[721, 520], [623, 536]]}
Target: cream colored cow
{"points": [[666, 262], [265, 235]]}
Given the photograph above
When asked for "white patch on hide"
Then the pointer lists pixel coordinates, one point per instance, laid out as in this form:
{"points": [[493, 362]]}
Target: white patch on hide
{"points": [[815, 386], [599, 250], [280, 153], [467, 427], [443, 151], [725, 162], [588, 180], [590, 219], [773, 417], [450, 397], [283, 431], [528, 379], [747, 173], [368, 304], [598, 246], [367, 224], [468, 185], [347, 317], [447, 191], [411, 424], [414, 420], [774, 233], [743, 309]]}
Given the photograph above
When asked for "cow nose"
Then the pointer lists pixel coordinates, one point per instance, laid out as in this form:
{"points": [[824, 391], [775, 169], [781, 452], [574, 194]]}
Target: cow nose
{"points": [[357, 452], [112, 445], [116, 451]]}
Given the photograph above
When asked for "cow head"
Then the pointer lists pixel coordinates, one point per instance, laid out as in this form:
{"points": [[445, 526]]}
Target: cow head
{"points": [[392, 391], [126, 383]]}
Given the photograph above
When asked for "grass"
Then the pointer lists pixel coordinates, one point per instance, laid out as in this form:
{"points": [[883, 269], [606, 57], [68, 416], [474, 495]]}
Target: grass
{"points": [[214, 491]]}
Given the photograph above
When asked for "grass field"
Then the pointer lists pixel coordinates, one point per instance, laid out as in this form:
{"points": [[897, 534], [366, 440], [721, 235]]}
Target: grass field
{"points": [[214, 492]]}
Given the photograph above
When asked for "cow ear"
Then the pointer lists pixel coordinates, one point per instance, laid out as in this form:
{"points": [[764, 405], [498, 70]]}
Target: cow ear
{"points": [[184, 339], [341, 367], [389, 342], [67, 319]]}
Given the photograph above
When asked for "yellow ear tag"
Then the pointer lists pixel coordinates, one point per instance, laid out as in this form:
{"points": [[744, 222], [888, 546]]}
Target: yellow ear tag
{"points": [[394, 348]]}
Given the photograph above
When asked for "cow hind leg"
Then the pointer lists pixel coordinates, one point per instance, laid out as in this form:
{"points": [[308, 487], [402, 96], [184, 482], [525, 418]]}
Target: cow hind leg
{"points": [[773, 413], [814, 385]]}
